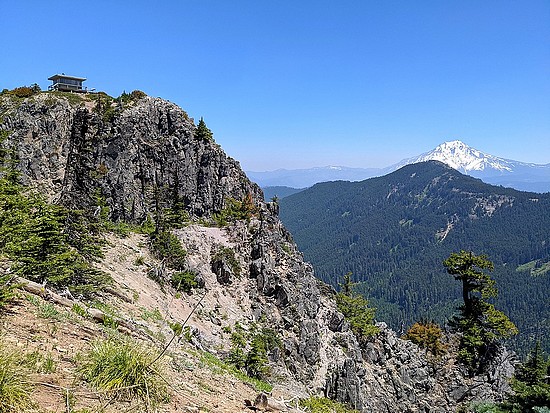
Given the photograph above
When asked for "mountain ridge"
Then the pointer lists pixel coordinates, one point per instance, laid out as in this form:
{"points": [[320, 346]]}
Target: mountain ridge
{"points": [[401, 227]]}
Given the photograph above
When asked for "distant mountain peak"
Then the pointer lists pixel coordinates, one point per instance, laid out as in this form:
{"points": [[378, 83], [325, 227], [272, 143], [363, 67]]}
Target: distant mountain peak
{"points": [[454, 153], [462, 157]]}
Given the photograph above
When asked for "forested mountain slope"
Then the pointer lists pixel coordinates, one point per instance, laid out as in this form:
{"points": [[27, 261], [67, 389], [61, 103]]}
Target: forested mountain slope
{"points": [[393, 232]]}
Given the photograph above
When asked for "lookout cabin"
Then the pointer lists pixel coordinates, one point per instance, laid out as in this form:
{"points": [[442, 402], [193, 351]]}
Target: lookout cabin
{"points": [[64, 83]]}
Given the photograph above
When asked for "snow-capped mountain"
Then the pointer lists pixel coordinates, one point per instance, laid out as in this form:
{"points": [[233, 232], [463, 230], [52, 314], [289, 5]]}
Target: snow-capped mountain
{"points": [[465, 159], [491, 169]]}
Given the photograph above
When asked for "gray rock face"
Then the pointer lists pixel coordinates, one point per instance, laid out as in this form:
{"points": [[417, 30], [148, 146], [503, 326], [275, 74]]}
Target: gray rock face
{"points": [[386, 374], [223, 272], [148, 157]]}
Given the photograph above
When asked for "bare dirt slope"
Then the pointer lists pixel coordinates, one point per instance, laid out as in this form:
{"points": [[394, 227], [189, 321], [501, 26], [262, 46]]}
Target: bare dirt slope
{"points": [[55, 336]]}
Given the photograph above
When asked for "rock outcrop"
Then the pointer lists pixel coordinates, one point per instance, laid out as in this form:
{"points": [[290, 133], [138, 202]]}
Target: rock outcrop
{"points": [[147, 156]]}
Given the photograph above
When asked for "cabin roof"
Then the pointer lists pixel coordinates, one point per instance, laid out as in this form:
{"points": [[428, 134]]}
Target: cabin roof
{"points": [[63, 76]]}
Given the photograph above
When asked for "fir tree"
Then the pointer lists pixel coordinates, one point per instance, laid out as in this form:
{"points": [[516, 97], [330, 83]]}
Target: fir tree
{"points": [[534, 369], [203, 132], [356, 310]]}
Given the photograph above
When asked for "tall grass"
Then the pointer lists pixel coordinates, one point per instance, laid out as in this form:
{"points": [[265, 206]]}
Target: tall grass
{"points": [[14, 386], [122, 368]]}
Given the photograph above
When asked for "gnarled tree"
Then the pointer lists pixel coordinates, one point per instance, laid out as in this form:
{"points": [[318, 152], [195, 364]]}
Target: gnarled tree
{"points": [[482, 326]]}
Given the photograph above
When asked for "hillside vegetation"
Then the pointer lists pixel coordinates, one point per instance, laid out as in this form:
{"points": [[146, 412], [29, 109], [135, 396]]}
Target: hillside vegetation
{"points": [[393, 233]]}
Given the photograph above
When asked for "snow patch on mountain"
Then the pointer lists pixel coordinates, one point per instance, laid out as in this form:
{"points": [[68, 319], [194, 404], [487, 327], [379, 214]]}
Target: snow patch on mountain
{"points": [[463, 158]]}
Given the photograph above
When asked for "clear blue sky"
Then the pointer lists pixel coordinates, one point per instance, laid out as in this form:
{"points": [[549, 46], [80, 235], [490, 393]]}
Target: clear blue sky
{"points": [[296, 84]]}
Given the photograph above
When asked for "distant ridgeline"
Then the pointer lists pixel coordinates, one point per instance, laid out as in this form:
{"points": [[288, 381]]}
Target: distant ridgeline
{"points": [[278, 192], [394, 231]]}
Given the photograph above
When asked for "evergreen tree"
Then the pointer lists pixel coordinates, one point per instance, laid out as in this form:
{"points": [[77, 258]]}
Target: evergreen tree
{"points": [[203, 132], [356, 310], [482, 326], [530, 384], [533, 370], [40, 239], [256, 359]]}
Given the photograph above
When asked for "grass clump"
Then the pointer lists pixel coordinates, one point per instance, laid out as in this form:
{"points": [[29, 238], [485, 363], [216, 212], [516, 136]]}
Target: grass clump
{"points": [[40, 363], [14, 387], [125, 370], [45, 309]]}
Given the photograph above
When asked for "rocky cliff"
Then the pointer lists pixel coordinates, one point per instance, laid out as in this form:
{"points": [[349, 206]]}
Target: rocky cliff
{"points": [[143, 154], [147, 155]]}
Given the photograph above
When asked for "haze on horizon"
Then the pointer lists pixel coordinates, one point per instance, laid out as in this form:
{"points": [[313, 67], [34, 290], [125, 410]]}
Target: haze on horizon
{"points": [[302, 84]]}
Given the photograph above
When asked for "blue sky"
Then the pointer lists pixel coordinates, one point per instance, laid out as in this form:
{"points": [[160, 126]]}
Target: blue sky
{"points": [[297, 84]]}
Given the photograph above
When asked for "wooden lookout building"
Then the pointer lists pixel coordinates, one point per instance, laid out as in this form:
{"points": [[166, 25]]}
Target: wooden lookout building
{"points": [[66, 83]]}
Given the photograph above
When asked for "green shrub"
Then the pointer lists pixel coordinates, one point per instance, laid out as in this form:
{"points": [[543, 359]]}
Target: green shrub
{"points": [[72, 98], [249, 349], [14, 383], [324, 405], [426, 335], [7, 290], [166, 246], [137, 94], [154, 315], [184, 281], [227, 255], [25, 91], [124, 369], [220, 366], [48, 310], [131, 97], [236, 210], [482, 407], [105, 106], [78, 309]]}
